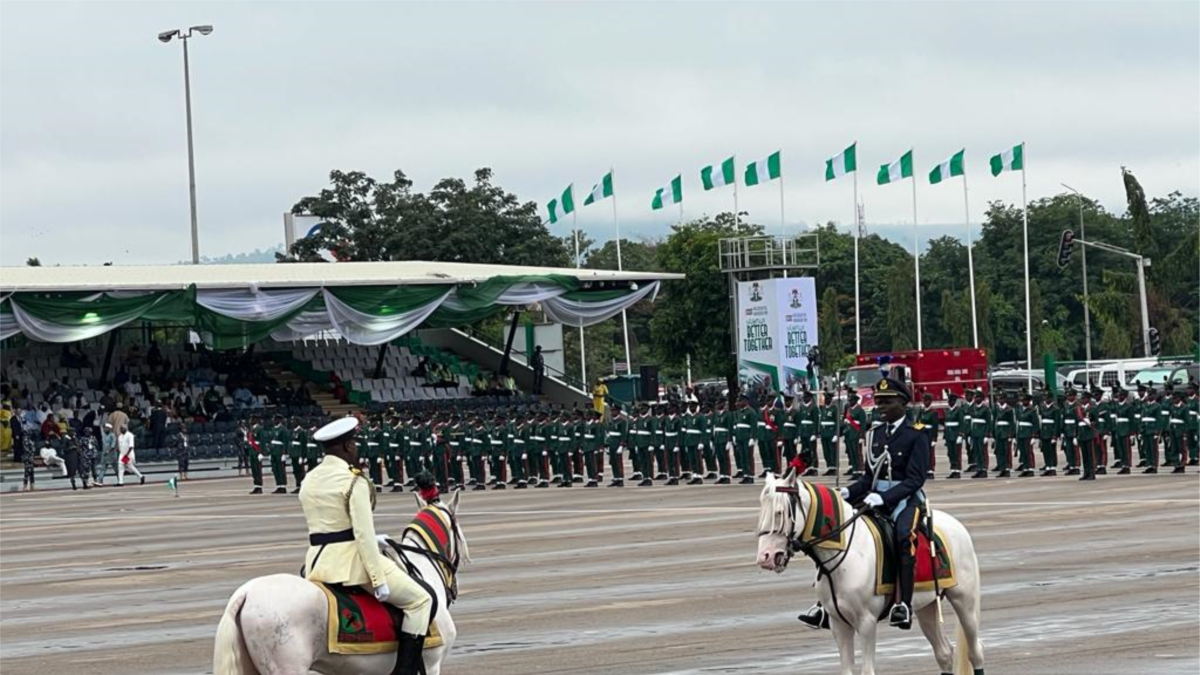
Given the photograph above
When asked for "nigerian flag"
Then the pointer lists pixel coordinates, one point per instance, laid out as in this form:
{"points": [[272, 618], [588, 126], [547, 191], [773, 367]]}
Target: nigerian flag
{"points": [[842, 164], [948, 168], [600, 190], [901, 168], [558, 208], [763, 170], [715, 176], [671, 194], [1009, 160]]}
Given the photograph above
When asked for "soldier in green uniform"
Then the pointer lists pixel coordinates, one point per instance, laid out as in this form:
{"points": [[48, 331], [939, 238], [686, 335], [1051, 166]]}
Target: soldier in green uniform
{"points": [[1193, 424], [616, 442], [927, 417], [672, 431], [557, 444], [767, 438], [1123, 430], [722, 424], [787, 429], [1070, 433], [456, 450], [643, 447], [591, 444], [298, 439], [954, 427], [389, 451], [539, 450], [1088, 416], [516, 447], [828, 419], [249, 444], [497, 454], [276, 437], [1049, 423], [981, 428], [1005, 422], [854, 429], [744, 427], [1104, 420], [375, 451], [477, 448], [1027, 421], [804, 417], [1147, 418], [1177, 431]]}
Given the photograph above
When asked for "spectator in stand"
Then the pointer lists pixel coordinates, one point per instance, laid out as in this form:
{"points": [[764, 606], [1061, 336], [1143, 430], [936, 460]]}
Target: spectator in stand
{"points": [[302, 394], [242, 398], [336, 386], [108, 402], [19, 374], [6, 422], [154, 357], [43, 412], [49, 428], [539, 369], [422, 367], [510, 384], [480, 386], [158, 426], [212, 401], [118, 418], [133, 356], [121, 377], [127, 457]]}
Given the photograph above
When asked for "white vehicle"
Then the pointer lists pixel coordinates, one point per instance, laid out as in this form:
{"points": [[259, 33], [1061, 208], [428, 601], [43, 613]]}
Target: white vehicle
{"points": [[1158, 375], [1106, 374]]}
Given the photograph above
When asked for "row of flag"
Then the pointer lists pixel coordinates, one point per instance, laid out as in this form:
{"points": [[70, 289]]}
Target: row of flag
{"points": [[769, 169]]}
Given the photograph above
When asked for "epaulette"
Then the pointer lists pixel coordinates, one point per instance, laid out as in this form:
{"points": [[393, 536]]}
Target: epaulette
{"points": [[918, 426]]}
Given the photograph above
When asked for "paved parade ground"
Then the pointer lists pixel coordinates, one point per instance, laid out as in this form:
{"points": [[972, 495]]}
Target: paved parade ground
{"points": [[1082, 578]]}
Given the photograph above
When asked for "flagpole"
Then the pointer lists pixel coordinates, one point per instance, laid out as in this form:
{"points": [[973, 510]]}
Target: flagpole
{"points": [[735, 203], [916, 256], [578, 265], [857, 233], [970, 261], [782, 221], [1025, 234], [620, 267]]}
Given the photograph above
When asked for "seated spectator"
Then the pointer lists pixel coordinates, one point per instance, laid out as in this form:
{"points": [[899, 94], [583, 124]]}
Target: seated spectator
{"points": [[510, 384], [133, 356], [121, 377], [212, 401], [108, 402], [422, 367], [19, 374], [50, 428], [242, 398], [154, 357], [336, 386], [480, 386], [303, 396]]}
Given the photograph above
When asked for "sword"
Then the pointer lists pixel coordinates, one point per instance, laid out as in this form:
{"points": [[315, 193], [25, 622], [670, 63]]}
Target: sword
{"points": [[937, 596]]}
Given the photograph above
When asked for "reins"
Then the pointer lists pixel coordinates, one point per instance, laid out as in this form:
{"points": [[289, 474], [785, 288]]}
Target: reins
{"points": [[451, 566]]}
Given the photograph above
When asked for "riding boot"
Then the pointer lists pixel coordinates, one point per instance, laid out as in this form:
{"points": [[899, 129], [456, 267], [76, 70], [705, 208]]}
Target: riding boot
{"points": [[816, 617], [902, 612], [409, 660]]}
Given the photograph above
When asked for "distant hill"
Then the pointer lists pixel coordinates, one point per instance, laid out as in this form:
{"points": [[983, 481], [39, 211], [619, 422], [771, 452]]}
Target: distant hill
{"points": [[266, 255]]}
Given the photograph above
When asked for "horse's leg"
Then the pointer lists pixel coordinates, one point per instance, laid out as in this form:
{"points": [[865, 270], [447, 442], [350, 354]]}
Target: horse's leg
{"points": [[942, 650], [843, 634], [448, 631], [866, 630], [966, 606]]}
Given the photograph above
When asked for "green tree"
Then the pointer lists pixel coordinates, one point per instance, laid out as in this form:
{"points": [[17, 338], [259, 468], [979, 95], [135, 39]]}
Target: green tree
{"points": [[833, 347], [692, 317], [364, 220], [33, 262], [901, 305]]}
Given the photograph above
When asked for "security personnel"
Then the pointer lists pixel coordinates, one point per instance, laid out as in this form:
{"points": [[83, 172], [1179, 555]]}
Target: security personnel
{"points": [[928, 418], [955, 415], [1148, 411], [1027, 420], [297, 440], [1049, 423], [981, 428], [1070, 432], [338, 501], [896, 487], [828, 417]]}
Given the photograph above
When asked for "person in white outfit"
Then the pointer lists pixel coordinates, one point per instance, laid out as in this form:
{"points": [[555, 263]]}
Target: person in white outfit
{"points": [[50, 458], [126, 457]]}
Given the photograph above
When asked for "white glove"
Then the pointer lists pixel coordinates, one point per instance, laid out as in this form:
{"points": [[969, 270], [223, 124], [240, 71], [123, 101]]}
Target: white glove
{"points": [[260, 457], [844, 492], [382, 541], [873, 500], [382, 592], [285, 458], [380, 460], [812, 439], [700, 447]]}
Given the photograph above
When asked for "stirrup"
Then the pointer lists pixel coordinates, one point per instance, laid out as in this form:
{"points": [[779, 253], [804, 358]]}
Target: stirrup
{"points": [[901, 616], [816, 617]]}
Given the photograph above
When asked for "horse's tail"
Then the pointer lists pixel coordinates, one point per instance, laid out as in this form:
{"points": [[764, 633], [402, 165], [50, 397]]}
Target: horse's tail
{"points": [[962, 649], [230, 656]]}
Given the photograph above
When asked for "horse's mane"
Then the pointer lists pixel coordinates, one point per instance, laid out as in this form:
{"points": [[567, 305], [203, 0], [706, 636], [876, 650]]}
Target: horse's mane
{"points": [[777, 514]]}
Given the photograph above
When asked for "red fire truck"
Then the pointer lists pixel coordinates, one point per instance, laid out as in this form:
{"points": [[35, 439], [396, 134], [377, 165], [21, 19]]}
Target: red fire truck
{"points": [[933, 371]]}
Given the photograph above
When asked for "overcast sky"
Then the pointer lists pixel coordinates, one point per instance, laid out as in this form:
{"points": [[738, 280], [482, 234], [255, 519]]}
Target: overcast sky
{"points": [[93, 152]]}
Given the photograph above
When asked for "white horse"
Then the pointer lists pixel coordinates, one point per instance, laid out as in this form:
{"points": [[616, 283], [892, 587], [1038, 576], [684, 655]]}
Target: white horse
{"points": [[276, 625], [848, 593]]}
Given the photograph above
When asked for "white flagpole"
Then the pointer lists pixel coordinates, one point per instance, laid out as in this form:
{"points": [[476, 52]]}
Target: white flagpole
{"points": [[578, 265], [970, 260], [782, 220], [620, 267], [857, 233], [917, 255], [1025, 234], [735, 182]]}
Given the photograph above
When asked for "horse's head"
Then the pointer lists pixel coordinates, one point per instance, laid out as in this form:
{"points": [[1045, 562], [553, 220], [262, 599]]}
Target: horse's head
{"points": [[780, 500]]}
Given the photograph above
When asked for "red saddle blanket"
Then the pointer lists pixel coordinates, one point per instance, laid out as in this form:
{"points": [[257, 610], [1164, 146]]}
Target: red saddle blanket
{"points": [[360, 624]]}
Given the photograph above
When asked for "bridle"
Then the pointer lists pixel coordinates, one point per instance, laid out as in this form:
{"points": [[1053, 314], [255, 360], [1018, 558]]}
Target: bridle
{"points": [[797, 544], [449, 562]]}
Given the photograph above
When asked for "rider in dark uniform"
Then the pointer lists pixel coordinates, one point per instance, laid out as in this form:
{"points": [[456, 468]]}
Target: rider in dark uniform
{"points": [[894, 483]]}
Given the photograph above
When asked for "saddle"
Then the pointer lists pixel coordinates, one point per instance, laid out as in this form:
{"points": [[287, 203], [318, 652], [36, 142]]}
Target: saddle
{"points": [[360, 624], [883, 532]]}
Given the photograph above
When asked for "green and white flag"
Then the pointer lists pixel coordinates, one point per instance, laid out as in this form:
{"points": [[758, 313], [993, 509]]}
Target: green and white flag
{"points": [[763, 170], [948, 168], [600, 190], [715, 176], [562, 206], [842, 164], [173, 483], [1009, 160], [901, 168], [671, 194]]}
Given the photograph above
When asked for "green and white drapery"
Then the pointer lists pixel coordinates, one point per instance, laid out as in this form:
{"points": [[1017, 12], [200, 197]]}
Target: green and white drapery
{"points": [[366, 315]]}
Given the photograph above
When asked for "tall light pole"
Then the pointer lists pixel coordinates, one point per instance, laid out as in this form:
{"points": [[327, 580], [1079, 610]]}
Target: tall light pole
{"points": [[1087, 311], [164, 37]]}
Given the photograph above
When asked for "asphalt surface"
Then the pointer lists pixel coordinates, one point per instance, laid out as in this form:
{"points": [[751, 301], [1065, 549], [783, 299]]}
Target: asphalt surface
{"points": [[1079, 578]]}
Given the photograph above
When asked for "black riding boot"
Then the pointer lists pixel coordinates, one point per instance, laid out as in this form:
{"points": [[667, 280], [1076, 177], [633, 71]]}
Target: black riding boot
{"points": [[409, 659], [902, 612], [815, 617]]}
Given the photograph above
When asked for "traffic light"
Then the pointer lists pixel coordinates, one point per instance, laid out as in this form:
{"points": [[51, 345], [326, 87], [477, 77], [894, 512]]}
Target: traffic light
{"points": [[1064, 248], [1155, 342]]}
